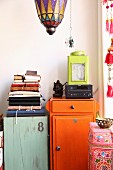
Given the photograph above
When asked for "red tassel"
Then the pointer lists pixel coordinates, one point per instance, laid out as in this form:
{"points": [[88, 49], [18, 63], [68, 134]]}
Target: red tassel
{"points": [[107, 25], [104, 1], [111, 26], [110, 91], [109, 58]]}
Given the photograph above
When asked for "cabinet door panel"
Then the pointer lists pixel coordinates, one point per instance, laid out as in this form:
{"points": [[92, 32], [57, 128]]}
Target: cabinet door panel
{"points": [[25, 143], [70, 142]]}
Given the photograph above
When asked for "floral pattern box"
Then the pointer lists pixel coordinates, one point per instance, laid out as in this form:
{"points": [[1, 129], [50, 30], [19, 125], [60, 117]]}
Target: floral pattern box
{"points": [[100, 143]]}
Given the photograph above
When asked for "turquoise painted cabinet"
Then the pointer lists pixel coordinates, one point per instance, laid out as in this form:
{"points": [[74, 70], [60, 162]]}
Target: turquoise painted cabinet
{"points": [[26, 143]]}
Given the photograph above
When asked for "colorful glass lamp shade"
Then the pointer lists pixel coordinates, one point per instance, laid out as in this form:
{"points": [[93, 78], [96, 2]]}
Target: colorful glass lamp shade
{"points": [[50, 13]]}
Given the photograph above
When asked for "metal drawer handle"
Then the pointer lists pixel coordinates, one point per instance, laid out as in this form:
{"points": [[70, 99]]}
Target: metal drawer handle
{"points": [[72, 107], [58, 148]]}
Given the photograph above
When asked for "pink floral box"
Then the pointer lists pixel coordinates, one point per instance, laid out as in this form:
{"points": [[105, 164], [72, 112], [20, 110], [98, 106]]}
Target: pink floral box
{"points": [[100, 148], [100, 136], [100, 158]]}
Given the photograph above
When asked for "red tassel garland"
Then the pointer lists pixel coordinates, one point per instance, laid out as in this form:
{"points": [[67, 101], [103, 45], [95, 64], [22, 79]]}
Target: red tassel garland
{"points": [[111, 26], [109, 62], [104, 1], [109, 58], [107, 20], [110, 91], [107, 25]]}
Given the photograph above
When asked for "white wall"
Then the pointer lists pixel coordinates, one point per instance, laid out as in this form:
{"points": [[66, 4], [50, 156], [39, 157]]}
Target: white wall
{"points": [[24, 44]]}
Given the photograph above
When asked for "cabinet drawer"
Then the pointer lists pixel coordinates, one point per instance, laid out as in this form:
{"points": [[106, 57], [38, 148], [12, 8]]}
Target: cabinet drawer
{"points": [[72, 106]]}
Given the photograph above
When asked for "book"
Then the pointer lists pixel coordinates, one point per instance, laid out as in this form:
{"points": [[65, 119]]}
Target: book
{"points": [[21, 113], [37, 89], [31, 72], [23, 98], [23, 84], [18, 81], [18, 84], [33, 77], [31, 81], [24, 94], [18, 77], [32, 84], [24, 103], [24, 107]]}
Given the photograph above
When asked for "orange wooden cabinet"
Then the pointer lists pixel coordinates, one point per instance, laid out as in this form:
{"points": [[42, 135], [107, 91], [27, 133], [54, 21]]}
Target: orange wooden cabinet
{"points": [[69, 126]]}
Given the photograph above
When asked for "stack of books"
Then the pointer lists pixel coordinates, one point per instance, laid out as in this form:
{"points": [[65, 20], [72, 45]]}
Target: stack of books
{"points": [[25, 92]]}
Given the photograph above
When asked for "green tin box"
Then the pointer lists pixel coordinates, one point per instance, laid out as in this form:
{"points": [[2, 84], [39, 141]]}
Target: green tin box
{"points": [[78, 68]]}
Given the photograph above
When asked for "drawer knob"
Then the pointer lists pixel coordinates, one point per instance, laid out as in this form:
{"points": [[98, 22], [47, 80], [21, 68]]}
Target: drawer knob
{"points": [[58, 148], [72, 107]]}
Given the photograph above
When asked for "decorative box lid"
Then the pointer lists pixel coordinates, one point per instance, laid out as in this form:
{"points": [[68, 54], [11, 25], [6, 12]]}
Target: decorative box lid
{"points": [[98, 136], [78, 53]]}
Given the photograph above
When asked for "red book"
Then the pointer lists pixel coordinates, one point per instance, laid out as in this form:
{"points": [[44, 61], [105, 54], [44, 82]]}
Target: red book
{"points": [[18, 84], [30, 88], [37, 84]]}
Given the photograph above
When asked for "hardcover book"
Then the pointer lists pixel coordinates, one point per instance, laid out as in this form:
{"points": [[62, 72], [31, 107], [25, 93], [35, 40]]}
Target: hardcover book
{"points": [[31, 72], [24, 103], [24, 107], [34, 77], [32, 84], [18, 77], [23, 84], [31, 81], [18, 81], [18, 113], [24, 93], [24, 98], [18, 84], [36, 89]]}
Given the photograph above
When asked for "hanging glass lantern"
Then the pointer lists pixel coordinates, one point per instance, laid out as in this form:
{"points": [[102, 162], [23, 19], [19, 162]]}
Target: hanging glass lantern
{"points": [[50, 13]]}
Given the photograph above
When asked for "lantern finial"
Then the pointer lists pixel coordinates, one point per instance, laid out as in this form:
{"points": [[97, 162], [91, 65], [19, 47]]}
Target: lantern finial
{"points": [[51, 30]]}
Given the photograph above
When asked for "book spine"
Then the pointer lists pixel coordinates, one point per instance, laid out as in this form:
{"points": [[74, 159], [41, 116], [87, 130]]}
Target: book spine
{"points": [[21, 84], [24, 107], [18, 77], [36, 89], [36, 84]]}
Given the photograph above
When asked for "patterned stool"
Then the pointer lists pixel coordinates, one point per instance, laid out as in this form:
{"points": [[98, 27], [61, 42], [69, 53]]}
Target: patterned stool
{"points": [[100, 148]]}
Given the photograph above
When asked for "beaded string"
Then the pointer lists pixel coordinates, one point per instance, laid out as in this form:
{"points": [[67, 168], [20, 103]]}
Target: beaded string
{"points": [[109, 56], [111, 20], [107, 20], [109, 62]]}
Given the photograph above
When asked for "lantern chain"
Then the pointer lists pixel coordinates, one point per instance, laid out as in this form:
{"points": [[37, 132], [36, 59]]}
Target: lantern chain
{"points": [[70, 17], [70, 41]]}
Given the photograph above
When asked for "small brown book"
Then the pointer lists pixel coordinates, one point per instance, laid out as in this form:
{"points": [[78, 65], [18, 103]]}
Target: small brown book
{"points": [[18, 77], [31, 72]]}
